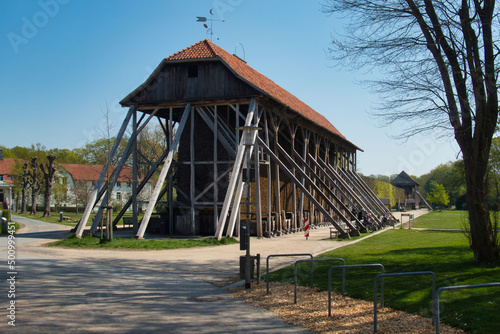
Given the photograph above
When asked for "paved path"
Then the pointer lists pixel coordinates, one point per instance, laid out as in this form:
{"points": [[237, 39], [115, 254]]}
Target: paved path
{"points": [[122, 291]]}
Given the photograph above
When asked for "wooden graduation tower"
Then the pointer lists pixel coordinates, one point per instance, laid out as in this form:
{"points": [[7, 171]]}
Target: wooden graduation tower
{"points": [[205, 98], [412, 195]]}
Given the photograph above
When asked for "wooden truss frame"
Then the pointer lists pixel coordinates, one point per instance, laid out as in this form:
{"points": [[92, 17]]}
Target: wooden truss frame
{"points": [[316, 166]]}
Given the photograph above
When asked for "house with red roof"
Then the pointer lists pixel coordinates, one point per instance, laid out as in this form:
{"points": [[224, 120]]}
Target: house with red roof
{"points": [[6, 182], [78, 180], [81, 180], [242, 151]]}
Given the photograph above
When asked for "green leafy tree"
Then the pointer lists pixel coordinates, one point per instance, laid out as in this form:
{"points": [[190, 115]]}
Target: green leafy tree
{"points": [[494, 173], [438, 196], [439, 66], [66, 156], [450, 175]]}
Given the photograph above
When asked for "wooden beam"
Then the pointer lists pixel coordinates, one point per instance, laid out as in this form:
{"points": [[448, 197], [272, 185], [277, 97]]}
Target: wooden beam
{"points": [[192, 183], [269, 181], [285, 169], [170, 196], [135, 225], [93, 196], [219, 134], [163, 174], [344, 188], [216, 172], [234, 176], [258, 207]]}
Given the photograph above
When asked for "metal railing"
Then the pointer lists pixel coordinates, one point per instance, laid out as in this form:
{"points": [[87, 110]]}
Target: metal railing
{"points": [[344, 267], [375, 293], [312, 278], [458, 287], [282, 255]]}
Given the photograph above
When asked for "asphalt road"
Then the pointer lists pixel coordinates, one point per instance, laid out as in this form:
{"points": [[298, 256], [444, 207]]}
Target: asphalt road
{"points": [[132, 291], [116, 295]]}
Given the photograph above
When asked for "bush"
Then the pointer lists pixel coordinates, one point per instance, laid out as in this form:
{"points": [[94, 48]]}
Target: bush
{"points": [[6, 214]]}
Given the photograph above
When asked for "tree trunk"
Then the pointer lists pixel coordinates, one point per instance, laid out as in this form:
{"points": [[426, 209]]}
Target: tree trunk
{"points": [[48, 195], [26, 183], [483, 240], [48, 174], [33, 203], [35, 187], [24, 196]]}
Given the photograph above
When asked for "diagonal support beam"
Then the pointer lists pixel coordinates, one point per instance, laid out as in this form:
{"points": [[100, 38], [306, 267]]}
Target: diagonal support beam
{"points": [[326, 187], [234, 175], [356, 179], [163, 174], [306, 192], [116, 173], [221, 135], [100, 181], [339, 184]]}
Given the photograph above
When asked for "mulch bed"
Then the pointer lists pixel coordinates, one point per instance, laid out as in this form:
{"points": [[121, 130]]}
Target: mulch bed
{"points": [[348, 315]]}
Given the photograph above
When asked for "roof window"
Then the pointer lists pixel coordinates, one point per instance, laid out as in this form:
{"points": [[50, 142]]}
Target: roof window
{"points": [[192, 71]]}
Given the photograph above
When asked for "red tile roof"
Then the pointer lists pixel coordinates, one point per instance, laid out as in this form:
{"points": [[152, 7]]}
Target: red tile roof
{"points": [[206, 49], [92, 172], [78, 172], [6, 166]]}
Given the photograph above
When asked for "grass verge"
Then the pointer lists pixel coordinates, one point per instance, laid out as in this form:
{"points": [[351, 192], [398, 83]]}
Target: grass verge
{"points": [[147, 244], [446, 253], [441, 220], [74, 218]]}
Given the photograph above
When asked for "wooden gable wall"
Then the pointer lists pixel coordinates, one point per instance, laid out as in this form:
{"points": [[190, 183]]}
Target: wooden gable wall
{"points": [[193, 81]]}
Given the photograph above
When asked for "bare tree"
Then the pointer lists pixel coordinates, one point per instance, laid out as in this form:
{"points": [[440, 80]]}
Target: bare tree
{"points": [[35, 183], [438, 60], [48, 176], [26, 182], [81, 192]]}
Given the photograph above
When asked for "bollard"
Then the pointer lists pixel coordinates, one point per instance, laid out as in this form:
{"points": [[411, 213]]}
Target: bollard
{"points": [[4, 226], [60, 216]]}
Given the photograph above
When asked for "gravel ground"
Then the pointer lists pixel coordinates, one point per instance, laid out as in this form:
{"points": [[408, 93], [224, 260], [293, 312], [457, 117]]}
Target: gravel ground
{"points": [[348, 315]]}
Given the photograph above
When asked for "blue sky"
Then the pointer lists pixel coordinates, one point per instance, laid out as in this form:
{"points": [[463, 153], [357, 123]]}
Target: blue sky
{"points": [[64, 62]]}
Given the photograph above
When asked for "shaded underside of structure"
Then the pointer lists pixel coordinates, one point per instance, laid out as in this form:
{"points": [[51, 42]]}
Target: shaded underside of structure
{"points": [[294, 165]]}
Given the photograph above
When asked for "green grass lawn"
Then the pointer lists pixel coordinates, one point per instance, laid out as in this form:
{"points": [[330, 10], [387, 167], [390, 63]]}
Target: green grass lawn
{"points": [[131, 243], [74, 218], [446, 253], [441, 220]]}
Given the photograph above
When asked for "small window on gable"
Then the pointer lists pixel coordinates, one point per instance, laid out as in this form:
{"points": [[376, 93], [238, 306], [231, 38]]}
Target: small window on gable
{"points": [[192, 71]]}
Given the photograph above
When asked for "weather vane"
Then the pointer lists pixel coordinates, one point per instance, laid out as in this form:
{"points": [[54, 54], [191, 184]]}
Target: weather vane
{"points": [[209, 30]]}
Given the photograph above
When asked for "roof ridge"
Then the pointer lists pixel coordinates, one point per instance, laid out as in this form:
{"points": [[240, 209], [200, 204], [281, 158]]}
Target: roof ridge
{"points": [[210, 45], [201, 49]]}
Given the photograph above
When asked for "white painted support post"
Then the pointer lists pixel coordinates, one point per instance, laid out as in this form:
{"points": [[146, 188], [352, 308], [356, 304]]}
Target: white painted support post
{"points": [[116, 173], [92, 199], [163, 174], [234, 176], [134, 173], [239, 189]]}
